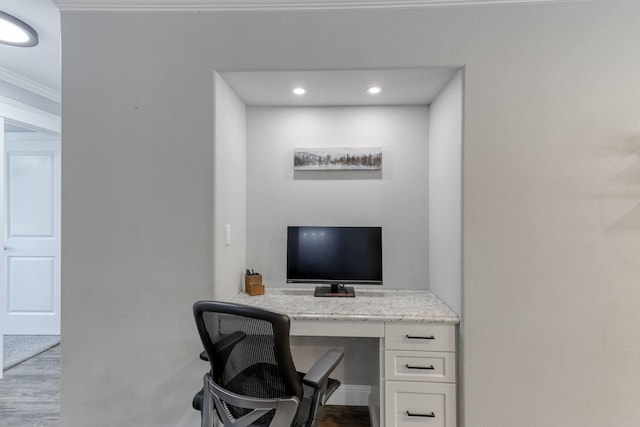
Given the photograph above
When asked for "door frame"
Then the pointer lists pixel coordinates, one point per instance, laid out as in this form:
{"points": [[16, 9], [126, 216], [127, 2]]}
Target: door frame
{"points": [[34, 118]]}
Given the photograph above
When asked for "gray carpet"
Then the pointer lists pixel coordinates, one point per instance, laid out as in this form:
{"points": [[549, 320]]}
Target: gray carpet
{"points": [[18, 348]]}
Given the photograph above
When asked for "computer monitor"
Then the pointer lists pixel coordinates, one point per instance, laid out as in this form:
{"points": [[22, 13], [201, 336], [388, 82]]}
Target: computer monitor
{"points": [[336, 256]]}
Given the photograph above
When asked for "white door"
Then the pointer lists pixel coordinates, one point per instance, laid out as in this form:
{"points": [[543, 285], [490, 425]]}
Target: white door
{"points": [[32, 234]]}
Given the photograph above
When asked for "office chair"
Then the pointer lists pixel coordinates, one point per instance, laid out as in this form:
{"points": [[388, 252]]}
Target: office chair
{"points": [[253, 380]]}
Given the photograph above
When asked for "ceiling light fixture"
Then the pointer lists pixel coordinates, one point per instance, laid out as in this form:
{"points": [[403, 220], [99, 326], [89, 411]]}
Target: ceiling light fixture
{"points": [[299, 91], [16, 32], [374, 90]]}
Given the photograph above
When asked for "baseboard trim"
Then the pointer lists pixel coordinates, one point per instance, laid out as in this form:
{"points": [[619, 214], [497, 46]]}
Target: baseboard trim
{"points": [[351, 395]]}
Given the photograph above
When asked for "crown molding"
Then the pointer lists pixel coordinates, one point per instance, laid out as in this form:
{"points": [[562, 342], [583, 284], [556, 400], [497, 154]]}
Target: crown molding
{"points": [[30, 85], [27, 114], [273, 5]]}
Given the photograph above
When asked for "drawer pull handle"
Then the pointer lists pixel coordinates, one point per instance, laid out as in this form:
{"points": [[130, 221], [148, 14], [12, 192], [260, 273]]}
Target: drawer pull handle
{"points": [[427, 415], [430, 368], [413, 337]]}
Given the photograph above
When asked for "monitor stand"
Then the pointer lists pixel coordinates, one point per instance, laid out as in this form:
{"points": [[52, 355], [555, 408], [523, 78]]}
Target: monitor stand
{"points": [[334, 291]]}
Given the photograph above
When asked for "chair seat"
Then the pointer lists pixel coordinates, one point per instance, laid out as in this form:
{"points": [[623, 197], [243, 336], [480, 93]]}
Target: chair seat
{"points": [[305, 405], [258, 380]]}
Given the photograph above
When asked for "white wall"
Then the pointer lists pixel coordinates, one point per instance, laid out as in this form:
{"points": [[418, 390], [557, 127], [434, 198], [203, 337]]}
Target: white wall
{"points": [[137, 221], [395, 199], [3, 298], [551, 109], [445, 194], [230, 189]]}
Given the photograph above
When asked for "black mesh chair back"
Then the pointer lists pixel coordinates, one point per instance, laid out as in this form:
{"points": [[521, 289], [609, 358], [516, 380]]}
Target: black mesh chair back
{"points": [[249, 354]]}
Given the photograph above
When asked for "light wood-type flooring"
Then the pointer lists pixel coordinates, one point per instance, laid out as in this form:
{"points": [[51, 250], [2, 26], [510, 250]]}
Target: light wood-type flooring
{"points": [[30, 392], [30, 397]]}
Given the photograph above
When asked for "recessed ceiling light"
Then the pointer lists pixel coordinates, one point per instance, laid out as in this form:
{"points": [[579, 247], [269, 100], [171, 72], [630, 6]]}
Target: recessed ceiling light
{"points": [[16, 32], [299, 91], [374, 90]]}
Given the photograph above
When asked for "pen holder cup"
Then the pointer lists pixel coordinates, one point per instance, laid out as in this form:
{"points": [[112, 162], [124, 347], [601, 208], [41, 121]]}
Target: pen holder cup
{"points": [[253, 284]]}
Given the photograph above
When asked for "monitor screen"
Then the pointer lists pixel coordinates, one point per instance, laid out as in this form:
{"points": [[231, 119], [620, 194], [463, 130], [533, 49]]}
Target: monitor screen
{"points": [[334, 255]]}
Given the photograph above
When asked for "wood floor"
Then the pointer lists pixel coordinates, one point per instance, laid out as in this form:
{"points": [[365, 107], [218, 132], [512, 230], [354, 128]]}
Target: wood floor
{"points": [[345, 416], [30, 392], [30, 397]]}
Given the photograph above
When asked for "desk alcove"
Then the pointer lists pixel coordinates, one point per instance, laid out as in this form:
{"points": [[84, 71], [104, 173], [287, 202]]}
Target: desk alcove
{"points": [[412, 335], [415, 198]]}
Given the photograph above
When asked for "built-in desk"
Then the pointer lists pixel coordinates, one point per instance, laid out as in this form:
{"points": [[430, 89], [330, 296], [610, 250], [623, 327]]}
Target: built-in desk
{"points": [[416, 331]]}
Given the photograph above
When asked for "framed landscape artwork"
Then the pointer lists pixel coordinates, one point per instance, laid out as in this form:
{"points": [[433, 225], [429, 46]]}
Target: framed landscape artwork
{"points": [[350, 159]]}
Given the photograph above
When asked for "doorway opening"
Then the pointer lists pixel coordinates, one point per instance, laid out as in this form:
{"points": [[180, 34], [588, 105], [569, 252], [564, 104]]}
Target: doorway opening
{"points": [[30, 219]]}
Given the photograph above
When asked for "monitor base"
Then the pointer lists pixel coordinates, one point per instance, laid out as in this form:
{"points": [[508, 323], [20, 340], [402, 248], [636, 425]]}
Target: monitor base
{"points": [[335, 291]]}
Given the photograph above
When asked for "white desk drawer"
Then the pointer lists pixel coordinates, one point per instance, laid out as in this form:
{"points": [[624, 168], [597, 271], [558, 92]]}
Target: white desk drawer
{"points": [[420, 404], [420, 366], [420, 336]]}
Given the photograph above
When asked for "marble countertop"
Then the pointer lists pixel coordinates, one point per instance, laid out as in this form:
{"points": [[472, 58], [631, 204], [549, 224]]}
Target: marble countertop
{"points": [[367, 306]]}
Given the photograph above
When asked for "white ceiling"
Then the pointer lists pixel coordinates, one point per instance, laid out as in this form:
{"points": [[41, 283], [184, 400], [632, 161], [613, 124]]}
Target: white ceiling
{"points": [[339, 87]]}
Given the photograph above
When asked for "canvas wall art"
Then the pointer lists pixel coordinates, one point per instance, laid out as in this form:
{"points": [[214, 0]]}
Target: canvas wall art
{"points": [[352, 159]]}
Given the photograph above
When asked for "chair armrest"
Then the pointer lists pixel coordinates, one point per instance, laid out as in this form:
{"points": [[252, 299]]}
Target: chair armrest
{"points": [[320, 371]]}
